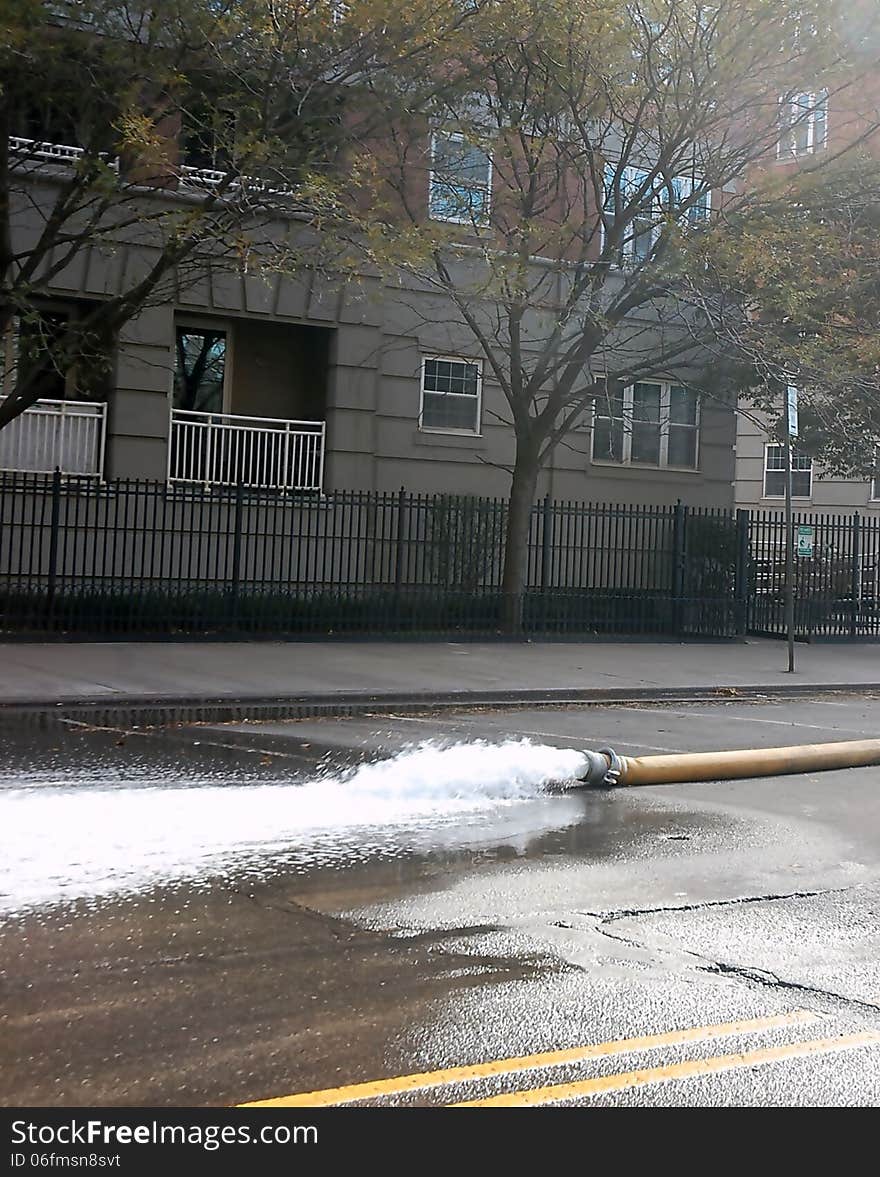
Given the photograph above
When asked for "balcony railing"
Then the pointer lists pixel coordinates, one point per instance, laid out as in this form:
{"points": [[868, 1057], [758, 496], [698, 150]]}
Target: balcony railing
{"points": [[268, 453], [210, 179], [35, 153], [51, 152], [203, 177], [56, 435]]}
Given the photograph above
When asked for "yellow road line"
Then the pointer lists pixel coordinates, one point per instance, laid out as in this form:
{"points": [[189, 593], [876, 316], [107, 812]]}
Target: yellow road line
{"points": [[687, 1070], [357, 1091]]}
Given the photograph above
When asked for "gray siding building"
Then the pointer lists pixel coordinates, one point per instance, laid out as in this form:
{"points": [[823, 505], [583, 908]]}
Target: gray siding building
{"points": [[305, 384], [760, 479]]}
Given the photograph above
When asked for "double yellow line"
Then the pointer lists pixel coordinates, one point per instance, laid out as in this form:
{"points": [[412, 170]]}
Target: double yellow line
{"points": [[356, 1092], [626, 1080]]}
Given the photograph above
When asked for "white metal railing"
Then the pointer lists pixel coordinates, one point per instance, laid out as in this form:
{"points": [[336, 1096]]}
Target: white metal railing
{"points": [[35, 153], [211, 178], [223, 449], [54, 152], [56, 435], [203, 177]]}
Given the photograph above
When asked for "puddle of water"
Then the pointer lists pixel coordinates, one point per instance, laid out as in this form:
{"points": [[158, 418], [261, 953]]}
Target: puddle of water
{"points": [[61, 842]]}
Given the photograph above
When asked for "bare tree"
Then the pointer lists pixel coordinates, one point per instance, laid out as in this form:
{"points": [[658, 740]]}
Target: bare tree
{"points": [[204, 132], [616, 132]]}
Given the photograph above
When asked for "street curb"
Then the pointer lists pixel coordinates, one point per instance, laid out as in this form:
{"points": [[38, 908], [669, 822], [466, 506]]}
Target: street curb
{"points": [[208, 708]]}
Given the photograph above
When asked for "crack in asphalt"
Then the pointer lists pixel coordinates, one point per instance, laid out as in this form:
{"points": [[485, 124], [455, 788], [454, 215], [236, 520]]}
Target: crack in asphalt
{"points": [[771, 980], [749, 973], [624, 912]]}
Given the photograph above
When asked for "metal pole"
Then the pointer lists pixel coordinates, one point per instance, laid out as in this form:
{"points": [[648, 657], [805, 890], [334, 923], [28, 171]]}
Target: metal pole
{"points": [[679, 566], [398, 556], [235, 575], [856, 575], [741, 575], [546, 541], [789, 554], [54, 523]]}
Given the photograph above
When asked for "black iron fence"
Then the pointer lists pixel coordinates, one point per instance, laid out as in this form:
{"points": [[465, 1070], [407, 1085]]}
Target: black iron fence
{"points": [[135, 557], [837, 593]]}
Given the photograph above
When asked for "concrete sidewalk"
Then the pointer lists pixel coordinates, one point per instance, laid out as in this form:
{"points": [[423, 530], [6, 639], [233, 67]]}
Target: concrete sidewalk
{"points": [[358, 673]]}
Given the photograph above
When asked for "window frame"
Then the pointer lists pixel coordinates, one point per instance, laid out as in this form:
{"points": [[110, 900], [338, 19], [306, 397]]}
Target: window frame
{"points": [[798, 117], [459, 137], [626, 258], [664, 424], [194, 324], [12, 353], [776, 445], [478, 398]]}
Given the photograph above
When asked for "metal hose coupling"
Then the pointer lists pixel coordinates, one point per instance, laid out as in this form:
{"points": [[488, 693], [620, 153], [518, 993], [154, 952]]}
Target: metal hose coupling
{"points": [[602, 770]]}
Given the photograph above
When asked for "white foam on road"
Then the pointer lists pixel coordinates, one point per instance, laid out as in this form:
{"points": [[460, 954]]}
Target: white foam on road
{"points": [[59, 844]]}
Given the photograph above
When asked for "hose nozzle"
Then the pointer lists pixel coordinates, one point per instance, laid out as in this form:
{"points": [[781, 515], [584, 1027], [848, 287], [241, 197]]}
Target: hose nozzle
{"points": [[602, 769]]}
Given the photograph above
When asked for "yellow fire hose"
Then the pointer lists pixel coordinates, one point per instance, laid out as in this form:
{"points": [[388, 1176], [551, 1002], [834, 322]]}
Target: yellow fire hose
{"points": [[607, 768]]}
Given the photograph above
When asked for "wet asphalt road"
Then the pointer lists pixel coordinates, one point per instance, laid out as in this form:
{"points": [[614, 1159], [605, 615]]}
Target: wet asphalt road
{"points": [[229, 943]]}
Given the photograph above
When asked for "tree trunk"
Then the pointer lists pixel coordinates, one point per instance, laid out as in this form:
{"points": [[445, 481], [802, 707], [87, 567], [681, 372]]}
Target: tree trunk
{"points": [[516, 542]]}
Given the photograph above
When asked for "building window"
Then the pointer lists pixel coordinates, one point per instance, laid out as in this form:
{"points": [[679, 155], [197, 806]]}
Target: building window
{"points": [[460, 187], [199, 369], [40, 347], [207, 138], [687, 193], [27, 345], [451, 393], [641, 232], [660, 199], [648, 424], [774, 473], [39, 338], [804, 122]]}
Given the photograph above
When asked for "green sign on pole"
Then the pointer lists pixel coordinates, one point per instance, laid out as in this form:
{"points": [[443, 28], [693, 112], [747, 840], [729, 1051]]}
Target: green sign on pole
{"points": [[805, 541]]}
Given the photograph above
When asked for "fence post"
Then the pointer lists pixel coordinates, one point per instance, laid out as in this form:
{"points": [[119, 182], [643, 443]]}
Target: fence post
{"points": [[679, 555], [398, 558], [546, 541], [856, 575], [54, 523], [741, 573], [235, 577]]}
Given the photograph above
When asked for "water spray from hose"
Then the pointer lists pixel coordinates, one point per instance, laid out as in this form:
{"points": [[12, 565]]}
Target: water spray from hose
{"points": [[101, 837]]}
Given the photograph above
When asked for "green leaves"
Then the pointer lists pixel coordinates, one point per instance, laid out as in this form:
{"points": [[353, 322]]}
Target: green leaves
{"points": [[802, 259]]}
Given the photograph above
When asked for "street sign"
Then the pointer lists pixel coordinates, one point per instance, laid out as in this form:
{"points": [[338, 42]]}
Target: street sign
{"points": [[805, 541], [791, 410]]}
